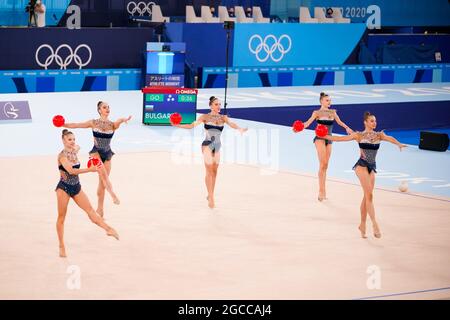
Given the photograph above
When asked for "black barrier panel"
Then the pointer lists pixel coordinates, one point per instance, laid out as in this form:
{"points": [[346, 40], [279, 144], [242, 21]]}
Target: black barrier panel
{"points": [[61, 48]]}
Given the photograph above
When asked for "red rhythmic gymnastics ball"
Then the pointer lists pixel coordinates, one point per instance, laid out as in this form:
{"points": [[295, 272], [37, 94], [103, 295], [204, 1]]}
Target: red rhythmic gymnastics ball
{"points": [[321, 130], [298, 126], [93, 161], [175, 118], [58, 121]]}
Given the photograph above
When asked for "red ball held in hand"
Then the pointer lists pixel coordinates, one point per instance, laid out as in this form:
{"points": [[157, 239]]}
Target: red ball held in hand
{"points": [[93, 161], [298, 126], [321, 130], [175, 118], [58, 121]]}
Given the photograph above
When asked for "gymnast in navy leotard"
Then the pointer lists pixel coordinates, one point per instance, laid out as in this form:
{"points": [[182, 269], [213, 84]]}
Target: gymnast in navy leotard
{"points": [[103, 131], [326, 117], [70, 183], [69, 187], [365, 168], [369, 143], [213, 127], [213, 123]]}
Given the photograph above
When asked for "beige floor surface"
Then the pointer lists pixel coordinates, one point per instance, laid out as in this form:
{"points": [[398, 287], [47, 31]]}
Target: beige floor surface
{"points": [[268, 238]]}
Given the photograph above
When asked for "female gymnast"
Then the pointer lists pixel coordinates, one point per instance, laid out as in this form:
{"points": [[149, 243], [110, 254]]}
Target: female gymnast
{"points": [[365, 168], [326, 117], [69, 187], [213, 124], [103, 130]]}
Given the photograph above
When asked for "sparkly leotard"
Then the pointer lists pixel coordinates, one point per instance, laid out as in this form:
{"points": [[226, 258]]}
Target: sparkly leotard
{"points": [[369, 145], [70, 183], [326, 119], [103, 131], [213, 127]]}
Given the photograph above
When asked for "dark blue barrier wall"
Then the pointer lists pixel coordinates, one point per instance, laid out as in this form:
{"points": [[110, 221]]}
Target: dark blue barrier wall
{"points": [[390, 116], [110, 48], [440, 42], [205, 42]]}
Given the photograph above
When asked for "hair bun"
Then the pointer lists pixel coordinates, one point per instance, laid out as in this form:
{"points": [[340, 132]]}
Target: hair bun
{"points": [[367, 114], [212, 98], [322, 94], [66, 132]]}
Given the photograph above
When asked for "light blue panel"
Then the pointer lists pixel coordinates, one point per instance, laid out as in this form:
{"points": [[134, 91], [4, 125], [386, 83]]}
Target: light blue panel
{"points": [[233, 80], [112, 83], [294, 44], [339, 77], [437, 75]]}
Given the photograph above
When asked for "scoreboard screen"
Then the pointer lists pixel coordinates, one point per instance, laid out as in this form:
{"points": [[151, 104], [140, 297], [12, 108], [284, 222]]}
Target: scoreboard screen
{"points": [[161, 102]]}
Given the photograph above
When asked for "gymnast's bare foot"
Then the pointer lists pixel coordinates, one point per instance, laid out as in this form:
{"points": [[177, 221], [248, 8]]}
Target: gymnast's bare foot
{"points": [[321, 196], [115, 199], [62, 252], [362, 229], [210, 202], [376, 230], [113, 233]]}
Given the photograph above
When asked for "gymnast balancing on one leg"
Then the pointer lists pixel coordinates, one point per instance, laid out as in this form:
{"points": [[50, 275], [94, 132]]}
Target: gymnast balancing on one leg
{"points": [[214, 124], [103, 130], [326, 117], [69, 187], [369, 142]]}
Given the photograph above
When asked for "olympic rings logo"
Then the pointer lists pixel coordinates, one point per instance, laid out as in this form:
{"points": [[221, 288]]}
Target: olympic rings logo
{"points": [[55, 56], [140, 8], [269, 47]]}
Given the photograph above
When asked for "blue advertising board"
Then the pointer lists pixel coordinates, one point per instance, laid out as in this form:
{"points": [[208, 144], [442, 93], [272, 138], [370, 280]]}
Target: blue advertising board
{"points": [[295, 44], [61, 48], [244, 77]]}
